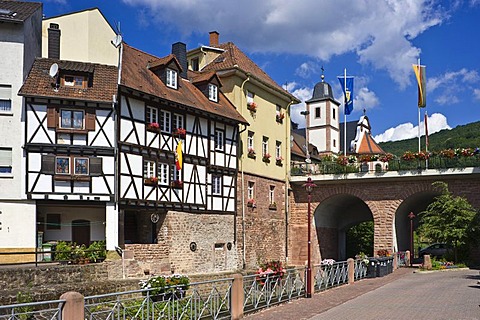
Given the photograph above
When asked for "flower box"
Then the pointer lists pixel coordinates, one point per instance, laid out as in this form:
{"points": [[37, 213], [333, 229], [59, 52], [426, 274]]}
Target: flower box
{"points": [[279, 117], [251, 203], [252, 106], [272, 206], [266, 158], [279, 163], [153, 126], [176, 184], [152, 181], [251, 153], [180, 132]]}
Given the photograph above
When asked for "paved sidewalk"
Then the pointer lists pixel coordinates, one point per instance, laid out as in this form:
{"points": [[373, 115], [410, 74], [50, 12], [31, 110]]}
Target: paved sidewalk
{"points": [[320, 302]]}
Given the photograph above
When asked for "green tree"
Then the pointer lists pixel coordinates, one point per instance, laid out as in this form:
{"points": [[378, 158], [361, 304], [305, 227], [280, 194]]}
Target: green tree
{"points": [[448, 219], [360, 239]]}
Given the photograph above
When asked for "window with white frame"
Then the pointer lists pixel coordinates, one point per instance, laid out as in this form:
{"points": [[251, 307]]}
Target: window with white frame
{"points": [[177, 121], [165, 121], [265, 146], [149, 169], [250, 96], [175, 176], [250, 144], [5, 160], [250, 190], [5, 97], [278, 150], [152, 115], [72, 119], [212, 92], [216, 185], [171, 78], [271, 195], [219, 140], [163, 174]]}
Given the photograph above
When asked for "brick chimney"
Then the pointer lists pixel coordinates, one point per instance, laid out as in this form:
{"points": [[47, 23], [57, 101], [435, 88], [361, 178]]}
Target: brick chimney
{"points": [[54, 41], [179, 49], [214, 35]]}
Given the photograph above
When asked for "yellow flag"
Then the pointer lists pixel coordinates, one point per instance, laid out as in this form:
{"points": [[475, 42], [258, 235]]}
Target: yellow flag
{"points": [[421, 78], [178, 156]]}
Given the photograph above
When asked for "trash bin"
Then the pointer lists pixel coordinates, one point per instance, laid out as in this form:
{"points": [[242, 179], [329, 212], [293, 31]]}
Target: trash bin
{"points": [[372, 268], [382, 268], [47, 251]]}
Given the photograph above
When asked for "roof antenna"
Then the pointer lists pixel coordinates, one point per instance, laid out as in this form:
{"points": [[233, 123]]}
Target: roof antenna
{"points": [[118, 37]]}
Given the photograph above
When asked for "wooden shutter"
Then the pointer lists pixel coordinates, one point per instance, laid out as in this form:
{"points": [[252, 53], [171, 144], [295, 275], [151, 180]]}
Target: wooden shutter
{"points": [[96, 166], [52, 117], [48, 164], [90, 120]]}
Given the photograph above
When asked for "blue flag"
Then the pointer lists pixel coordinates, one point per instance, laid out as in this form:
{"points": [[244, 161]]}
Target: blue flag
{"points": [[347, 93]]}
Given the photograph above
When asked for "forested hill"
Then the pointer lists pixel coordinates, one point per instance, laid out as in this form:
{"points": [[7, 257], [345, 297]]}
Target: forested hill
{"points": [[464, 136]]}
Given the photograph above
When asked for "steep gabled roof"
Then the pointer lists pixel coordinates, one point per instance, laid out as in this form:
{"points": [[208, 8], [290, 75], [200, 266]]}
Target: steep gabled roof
{"points": [[17, 11], [160, 62], [363, 142], [233, 58], [198, 77], [40, 84], [137, 76]]}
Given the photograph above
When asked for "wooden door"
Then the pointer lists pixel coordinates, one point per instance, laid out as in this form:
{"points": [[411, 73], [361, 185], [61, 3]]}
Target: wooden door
{"points": [[81, 232]]}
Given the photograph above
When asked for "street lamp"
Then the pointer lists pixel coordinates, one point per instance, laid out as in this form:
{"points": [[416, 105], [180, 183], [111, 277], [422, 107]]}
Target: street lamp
{"points": [[411, 215], [309, 188]]}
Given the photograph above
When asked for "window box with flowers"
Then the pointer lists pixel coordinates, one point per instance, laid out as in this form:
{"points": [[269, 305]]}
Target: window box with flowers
{"points": [[180, 132], [279, 161], [266, 158], [153, 127], [279, 117], [251, 203], [272, 206], [251, 153], [151, 181], [252, 106], [176, 184]]}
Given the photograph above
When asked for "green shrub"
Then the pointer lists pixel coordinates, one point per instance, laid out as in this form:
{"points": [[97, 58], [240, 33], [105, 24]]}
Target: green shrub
{"points": [[176, 284], [63, 251]]}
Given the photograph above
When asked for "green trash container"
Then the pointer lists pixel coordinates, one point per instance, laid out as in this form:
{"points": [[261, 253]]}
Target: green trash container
{"points": [[47, 251]]}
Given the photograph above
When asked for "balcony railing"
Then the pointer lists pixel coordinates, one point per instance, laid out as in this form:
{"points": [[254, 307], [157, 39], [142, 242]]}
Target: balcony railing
{"points": [[434, 162]]}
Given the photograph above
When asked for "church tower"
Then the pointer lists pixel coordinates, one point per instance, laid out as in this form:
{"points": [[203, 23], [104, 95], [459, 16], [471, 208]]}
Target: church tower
{"points": [[322, 119]]}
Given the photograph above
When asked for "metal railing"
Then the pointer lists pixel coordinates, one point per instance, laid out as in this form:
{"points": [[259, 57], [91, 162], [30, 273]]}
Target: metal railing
{"points": [[360, 269], [263, 292], [330, 275], [46, 310], [41, 256], [434, 162], [205, 300]]}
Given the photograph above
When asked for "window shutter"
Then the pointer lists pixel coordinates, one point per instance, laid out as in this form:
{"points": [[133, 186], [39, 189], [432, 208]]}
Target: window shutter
{"points": [[90, 120], [96, 166], [48, 164], [52, 117], [5, 157]]}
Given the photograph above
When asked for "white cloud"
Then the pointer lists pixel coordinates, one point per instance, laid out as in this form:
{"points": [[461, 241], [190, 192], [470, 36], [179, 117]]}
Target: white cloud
{"points": [[302, 94], [306, 69], [436, 122], [476, 93], [365, 99], [452, 85], [380, 33]]}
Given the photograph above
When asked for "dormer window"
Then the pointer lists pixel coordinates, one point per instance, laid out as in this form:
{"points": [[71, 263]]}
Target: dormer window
{"points": [[212, 92], [172, 78], [75, 81]]}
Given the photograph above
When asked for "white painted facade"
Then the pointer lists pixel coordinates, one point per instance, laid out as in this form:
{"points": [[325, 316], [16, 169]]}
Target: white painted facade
{"points": [[19, 44], [85, 36]]}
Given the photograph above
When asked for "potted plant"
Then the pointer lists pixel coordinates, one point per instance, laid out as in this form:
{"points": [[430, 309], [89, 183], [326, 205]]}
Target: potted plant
{"points": [[252, 106], [251, 203], [153, 126], [266, 157], [279, 160], [279, 117], [162, 288], [180, 132], [272, 206], [96, 251], [151, 181], [176, 184], [270, 272], [251, 153]]}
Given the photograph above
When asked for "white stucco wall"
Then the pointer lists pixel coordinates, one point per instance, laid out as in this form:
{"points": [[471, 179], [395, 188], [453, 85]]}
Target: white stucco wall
{"points": [[14, 234]]}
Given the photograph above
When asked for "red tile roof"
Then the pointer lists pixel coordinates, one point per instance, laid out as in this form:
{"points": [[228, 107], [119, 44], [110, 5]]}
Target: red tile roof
{"points": [[233, 57], [137, 76], [40, 84], [369, 146]]}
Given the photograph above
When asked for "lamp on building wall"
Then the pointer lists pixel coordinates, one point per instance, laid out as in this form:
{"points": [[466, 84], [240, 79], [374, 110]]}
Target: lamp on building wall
{"points": [[411, 215], [309, 188]]}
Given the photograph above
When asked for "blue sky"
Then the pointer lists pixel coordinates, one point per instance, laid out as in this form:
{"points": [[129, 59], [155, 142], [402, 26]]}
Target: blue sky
{"points": [[376, 41]]}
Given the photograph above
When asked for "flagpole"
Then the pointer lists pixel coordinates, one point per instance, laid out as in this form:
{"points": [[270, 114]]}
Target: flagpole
{"points": [[419, 148], [426, 138], [345, 114]]}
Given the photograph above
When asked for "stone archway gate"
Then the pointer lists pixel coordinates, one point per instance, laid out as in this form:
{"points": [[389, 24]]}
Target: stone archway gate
{"points": [[383, 193]]}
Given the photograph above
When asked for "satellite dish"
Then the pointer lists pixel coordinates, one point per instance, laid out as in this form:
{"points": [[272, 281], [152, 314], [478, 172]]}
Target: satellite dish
{"points": [[53, 70], [117, 40]]}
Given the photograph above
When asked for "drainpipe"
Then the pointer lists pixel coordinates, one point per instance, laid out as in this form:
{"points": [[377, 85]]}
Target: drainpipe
{"points": [[287, 176], [244, 256]]}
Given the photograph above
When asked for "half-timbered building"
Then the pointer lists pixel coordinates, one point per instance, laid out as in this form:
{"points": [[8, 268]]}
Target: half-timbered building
{"points": [[177, 165], [70, 149]]}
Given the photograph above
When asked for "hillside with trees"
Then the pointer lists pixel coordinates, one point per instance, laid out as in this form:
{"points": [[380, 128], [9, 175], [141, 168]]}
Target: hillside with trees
{"points": [[463, 136]]}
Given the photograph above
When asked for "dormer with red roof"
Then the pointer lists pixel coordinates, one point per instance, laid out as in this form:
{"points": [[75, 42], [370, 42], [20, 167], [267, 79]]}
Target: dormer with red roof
{"points": [[167, 69]]}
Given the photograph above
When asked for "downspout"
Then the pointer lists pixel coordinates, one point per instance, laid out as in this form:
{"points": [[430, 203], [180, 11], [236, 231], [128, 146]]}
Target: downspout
{"points": [[244, 256], [287, 176]]}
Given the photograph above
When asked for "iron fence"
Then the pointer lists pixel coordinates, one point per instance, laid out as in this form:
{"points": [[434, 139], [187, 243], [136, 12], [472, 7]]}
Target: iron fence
{"points": [[45, 310], [330, 275], [203, 300], [263, 292], [360, 269]]}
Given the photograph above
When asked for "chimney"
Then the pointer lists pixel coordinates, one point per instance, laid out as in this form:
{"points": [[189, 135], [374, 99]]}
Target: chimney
{"points": [[179, 49], [214, 35], [54, 41]]}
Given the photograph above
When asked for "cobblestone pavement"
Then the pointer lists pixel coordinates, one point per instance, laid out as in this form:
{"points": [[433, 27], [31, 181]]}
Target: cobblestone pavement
{"points": [[452, 295]]}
